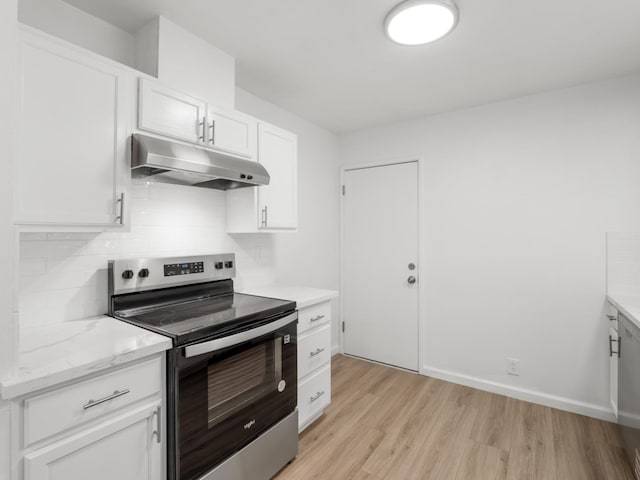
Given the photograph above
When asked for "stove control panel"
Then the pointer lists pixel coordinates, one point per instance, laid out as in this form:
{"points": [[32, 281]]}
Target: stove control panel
{"points": [[183, 268], [136, 275]]}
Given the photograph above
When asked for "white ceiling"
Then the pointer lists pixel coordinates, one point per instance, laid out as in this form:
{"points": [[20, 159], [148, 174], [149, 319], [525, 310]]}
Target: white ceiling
{"points": [[329, 61]]}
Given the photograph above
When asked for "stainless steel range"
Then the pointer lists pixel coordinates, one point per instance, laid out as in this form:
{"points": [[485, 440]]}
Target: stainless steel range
{"points": [[231, 375]]}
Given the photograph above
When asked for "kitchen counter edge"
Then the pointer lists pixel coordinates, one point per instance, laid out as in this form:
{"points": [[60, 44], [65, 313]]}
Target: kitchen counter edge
{"points": [[53, 354], [627, 304]]}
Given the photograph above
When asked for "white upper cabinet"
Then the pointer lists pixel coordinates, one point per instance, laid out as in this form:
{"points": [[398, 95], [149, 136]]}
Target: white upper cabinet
{"points": [[72, 164], [232, 131], [165, 111], [271, 208], [277, 202]]}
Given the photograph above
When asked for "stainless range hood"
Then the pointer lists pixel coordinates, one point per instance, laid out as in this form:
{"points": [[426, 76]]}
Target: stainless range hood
{"points": [[171, 162]]}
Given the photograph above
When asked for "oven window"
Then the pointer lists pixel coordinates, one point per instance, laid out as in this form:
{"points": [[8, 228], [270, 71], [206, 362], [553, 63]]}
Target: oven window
{"points": [[242, 378]]}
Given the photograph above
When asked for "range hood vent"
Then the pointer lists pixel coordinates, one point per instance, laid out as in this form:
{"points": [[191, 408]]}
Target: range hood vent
{"points": [[171, 162]]}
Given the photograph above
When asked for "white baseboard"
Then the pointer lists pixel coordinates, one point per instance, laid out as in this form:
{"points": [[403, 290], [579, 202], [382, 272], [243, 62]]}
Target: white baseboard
{"points": [[561, 403], [335, 349]]}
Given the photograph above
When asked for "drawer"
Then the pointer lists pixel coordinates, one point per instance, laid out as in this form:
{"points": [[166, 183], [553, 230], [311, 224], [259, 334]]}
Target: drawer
{"points": [[62, 409], [314, 316], [314, 393], [314, 350]]}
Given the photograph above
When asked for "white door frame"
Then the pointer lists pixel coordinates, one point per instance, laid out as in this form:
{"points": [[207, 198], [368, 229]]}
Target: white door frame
{"points": [[421, 248]]}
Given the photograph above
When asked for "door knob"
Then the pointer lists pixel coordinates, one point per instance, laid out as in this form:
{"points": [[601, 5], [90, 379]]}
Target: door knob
{"points": [[411, 280]]}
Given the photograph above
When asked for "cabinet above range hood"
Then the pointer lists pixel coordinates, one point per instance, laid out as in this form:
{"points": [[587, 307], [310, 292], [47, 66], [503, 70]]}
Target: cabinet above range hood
{"points": [[171, 162]]}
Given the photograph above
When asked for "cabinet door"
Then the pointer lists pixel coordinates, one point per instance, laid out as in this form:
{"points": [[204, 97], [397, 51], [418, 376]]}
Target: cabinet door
{"points": [[72, 158], [277, 202], [127, 448], [232, 131], [168, 112]]}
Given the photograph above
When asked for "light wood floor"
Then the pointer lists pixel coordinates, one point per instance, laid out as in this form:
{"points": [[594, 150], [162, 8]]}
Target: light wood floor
{"points": [[388, 424]]}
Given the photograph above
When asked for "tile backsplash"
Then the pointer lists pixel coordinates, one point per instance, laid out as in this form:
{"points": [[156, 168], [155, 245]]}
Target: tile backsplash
{"points": [[63, 276], [623, 262]]}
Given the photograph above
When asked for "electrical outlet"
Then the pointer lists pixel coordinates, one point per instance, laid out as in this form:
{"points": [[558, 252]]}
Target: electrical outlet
{"points": [[513, 366]]}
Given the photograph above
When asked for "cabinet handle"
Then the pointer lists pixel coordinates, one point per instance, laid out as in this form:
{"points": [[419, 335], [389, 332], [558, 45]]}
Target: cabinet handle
{"points": [[316, 397], [317, 352], [212, 127], [264, 216], [158, 431], [202, 124], [116, 394], [120, 217], [315, 319]]}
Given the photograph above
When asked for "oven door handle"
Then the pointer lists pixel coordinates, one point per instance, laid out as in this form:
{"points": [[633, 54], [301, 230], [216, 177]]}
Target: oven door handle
{"points": [[242, 337]]}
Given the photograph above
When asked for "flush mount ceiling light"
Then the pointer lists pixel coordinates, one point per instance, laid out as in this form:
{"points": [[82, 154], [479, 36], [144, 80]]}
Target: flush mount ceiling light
{"points": [[416, 22]]}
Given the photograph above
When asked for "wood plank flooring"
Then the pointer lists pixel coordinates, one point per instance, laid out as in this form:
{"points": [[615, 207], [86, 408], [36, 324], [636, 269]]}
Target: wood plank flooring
{"points": [[384, 423]]}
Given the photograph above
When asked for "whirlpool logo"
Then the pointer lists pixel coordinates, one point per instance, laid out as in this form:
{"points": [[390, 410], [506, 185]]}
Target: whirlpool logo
{"points": [[247, 426]]}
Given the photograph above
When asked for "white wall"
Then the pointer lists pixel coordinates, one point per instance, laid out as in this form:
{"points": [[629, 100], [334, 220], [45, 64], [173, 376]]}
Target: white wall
{"points": [[188, 63], [309, 257], [518, 196], [72, 24]]}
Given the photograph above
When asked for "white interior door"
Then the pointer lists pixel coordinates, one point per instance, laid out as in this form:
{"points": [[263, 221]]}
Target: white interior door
{"points": [[380, 290]]}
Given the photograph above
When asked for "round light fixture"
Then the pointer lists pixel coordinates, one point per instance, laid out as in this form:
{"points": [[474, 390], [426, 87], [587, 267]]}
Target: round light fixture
{"points": [[416, 22]]}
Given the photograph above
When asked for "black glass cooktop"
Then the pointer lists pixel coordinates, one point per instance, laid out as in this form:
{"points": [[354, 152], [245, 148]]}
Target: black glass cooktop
{"points": [[195, 313]]}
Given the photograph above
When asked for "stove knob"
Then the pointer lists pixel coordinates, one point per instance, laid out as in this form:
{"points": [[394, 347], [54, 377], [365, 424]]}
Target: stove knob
{"points": [[218, 265], [144, 273], [127, 274]]}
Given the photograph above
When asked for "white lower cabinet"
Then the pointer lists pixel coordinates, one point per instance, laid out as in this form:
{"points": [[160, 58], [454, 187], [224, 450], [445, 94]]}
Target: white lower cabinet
{"points": [[109, 426], [127, 447], [314, 394], [314, 362]]}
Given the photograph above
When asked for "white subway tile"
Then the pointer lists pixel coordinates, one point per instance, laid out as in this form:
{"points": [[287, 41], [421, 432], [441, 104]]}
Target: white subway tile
{"points": [[66, 248], [102, 245], [32, 266], [33, 249]]}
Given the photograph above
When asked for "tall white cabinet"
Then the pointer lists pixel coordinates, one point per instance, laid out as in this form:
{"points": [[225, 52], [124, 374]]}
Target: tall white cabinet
{"points": [[274, 207], [72, 165]]}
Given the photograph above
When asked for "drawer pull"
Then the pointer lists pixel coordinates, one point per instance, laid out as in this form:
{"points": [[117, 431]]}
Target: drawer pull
{"points": [[316, 397], [116, 394], [317, 352], [315, 319]]}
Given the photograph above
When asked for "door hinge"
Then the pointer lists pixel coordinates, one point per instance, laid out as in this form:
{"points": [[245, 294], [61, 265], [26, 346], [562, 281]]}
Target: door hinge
{"points": [[343, 190], [342, 327]]}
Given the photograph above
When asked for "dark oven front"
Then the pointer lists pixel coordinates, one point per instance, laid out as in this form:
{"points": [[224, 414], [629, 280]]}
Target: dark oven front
{"points": [[223, 393]]}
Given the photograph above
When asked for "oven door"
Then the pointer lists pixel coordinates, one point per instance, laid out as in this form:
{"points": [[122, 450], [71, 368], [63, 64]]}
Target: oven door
{"points": [[229, 390]]}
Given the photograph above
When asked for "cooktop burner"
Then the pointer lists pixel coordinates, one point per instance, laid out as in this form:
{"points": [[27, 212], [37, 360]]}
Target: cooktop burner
{"points": [[203, 318]]}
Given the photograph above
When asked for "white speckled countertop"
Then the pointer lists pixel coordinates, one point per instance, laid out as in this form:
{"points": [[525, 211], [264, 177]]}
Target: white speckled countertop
{"points": [[303, 296], [628, 304], [57, 353]]}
